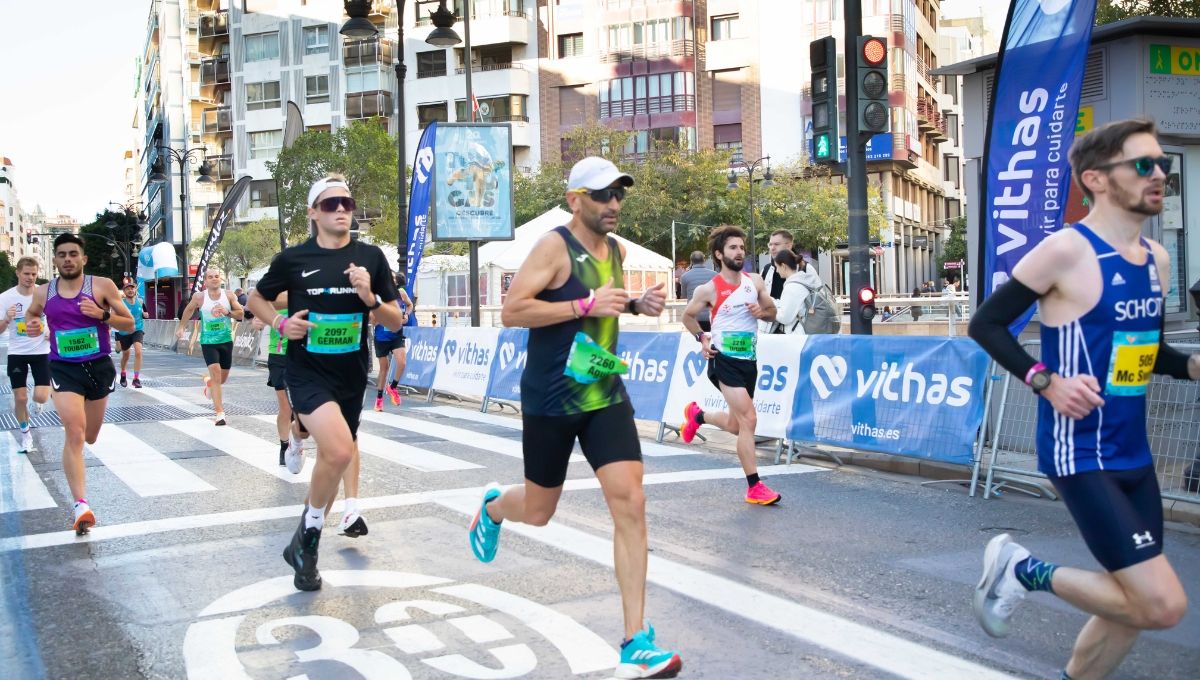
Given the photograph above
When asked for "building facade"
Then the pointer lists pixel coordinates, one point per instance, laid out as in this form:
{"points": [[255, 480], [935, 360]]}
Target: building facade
{"points": [[12, 220]]}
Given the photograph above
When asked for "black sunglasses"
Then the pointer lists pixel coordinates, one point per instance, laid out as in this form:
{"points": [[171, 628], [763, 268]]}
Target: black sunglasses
{"points": [[332, 203], [1144, 166], [604, 195]]}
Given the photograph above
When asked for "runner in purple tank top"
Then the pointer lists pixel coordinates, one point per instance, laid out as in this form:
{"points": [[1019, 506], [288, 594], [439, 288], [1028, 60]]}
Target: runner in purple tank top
{"points": [[79, 310]]}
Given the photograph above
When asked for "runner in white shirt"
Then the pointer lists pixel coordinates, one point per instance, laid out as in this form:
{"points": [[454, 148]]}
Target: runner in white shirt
{"points": [[25, 354]]}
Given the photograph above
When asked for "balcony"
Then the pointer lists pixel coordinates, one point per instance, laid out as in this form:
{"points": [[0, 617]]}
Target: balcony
{"points": [[218, 120], [214, 25], [222, 167], [931, 121], [630, 107], [368, 105], [214, 71], [365, 52], [661, 50]]}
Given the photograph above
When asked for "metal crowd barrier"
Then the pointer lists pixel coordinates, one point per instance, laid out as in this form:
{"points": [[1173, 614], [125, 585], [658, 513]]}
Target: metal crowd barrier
{"points": [[1172, 423]]}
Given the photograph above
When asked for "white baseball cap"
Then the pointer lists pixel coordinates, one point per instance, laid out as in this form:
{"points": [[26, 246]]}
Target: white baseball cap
{"points": [[595, 173]]}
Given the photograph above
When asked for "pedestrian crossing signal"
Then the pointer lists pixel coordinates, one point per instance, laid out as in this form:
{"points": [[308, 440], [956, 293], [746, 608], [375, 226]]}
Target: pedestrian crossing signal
{"points": [[822, 147]]}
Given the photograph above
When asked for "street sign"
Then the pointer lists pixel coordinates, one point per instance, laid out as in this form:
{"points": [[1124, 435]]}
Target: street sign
{"points": [[953, 265]]}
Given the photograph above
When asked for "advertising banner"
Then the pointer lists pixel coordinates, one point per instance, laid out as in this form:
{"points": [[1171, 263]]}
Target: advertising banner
{"points": [[222, 218], [424, 346], [651, 358], [1035, 102], [509, 364], [919, 397], [418, 210], [778, 368], [465, 362], [473, 191]]}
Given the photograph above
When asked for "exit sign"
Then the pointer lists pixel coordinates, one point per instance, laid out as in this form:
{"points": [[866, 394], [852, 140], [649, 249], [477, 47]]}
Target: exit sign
{"points": [[1175, 60]]}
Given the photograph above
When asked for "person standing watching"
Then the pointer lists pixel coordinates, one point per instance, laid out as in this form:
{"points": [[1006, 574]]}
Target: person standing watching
{"points": [[781, 239], [698, 274]]}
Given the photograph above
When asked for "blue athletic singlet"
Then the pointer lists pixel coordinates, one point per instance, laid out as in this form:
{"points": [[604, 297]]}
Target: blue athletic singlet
{"points": [[1117, 342]]}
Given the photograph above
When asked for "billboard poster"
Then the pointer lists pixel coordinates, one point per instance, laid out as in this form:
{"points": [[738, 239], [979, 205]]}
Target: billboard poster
{"points": [[473, 182]]}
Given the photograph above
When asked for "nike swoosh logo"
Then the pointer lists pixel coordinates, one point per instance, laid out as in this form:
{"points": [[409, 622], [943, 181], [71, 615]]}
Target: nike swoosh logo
{"points": [[54, 384], [308, 274]]}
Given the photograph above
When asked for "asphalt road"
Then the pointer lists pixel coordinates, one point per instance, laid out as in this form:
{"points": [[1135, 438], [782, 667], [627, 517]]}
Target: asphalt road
{"points": [[856, 574]]}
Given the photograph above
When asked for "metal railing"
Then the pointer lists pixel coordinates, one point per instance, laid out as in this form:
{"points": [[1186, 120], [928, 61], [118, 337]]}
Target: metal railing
{"points": [[669, 48], [214, 71], [630, 107], [214, 24], [368, 104], [477, 68], [369, 51], [217, 120]]}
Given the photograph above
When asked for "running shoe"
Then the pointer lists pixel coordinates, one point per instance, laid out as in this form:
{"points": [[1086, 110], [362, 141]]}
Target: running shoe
{"points": [[26, 442], [220, 420], [37, 408], [378, 403], [393, 394], [353, 525], [761, 494], [301, 555], [123, 383], [484, 533], [641, 658], [999, 592], [687, 431], [294, 456], [205, 379], [84, 519], [137, 383]]}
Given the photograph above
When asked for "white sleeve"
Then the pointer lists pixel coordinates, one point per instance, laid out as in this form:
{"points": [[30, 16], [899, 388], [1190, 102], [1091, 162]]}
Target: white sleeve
{"points": [[790, 302]]}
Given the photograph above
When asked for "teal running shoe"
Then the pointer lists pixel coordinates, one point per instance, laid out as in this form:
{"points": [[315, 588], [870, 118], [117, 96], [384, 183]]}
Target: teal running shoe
{"points": [[484, 533], [641, 658]]}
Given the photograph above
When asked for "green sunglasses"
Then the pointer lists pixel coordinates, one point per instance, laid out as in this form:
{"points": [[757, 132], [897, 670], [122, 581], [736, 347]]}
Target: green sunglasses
{"points": [[1144, 166]]}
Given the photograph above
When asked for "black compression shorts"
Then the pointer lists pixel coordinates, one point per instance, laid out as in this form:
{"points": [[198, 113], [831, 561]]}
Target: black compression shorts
{"points": [[308, 394], [1118, 512], [723, 370], [220, 353], [21, 365], [127, 341], [606, 436]]}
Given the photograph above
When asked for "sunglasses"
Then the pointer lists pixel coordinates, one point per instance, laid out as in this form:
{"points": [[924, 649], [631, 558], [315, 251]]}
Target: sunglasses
{"points": [[1144, 166], [332, 203], [603, 195]]}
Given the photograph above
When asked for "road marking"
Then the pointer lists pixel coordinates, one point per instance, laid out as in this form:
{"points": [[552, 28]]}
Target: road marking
{"points": [[890, 653], [172, 400], [142, 467], [399, 453], [28, 491], [234, 517], [458, 435], [246, 447], [650, 448]]}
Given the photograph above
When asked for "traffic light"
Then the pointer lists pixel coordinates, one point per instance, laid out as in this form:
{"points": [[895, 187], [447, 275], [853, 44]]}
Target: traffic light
{"points": [[872, 86], [822, 57], [866, 304]]}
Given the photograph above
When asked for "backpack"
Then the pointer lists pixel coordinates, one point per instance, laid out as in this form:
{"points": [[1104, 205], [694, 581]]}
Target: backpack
{"points": [[824, 313]]}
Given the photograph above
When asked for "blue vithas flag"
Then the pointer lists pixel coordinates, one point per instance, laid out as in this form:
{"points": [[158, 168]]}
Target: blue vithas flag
{"points": [[418, 209], [1035, 100]]}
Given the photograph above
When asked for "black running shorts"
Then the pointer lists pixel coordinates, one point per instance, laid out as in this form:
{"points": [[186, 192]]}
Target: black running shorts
{"points": [[308, 394], [606, 436], [1118, 512], [277, 371], [723, 370], [21, 365], [94, 379], [220, 353], [385, 347], [127, 341]]}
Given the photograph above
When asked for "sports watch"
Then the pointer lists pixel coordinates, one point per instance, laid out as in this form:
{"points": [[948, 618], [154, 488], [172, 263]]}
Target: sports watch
{"points": [[1040, 380], [378, 303]]}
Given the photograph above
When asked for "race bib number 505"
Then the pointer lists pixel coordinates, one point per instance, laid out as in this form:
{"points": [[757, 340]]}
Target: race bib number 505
{"points": [[1133, 357]]}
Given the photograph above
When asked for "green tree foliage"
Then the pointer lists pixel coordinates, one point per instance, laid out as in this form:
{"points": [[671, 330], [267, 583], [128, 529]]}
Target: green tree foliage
{"points": [[1108, 11], [244, 247], [8, 274], [364, 153], [955, 249], [106, 246]]}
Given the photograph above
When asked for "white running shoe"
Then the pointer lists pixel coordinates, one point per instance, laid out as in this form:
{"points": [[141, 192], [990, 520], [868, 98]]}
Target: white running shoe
{"points": [[294, 456], [36, 408], [84, 519], [353, 525], [999, 592], [26, 441]]}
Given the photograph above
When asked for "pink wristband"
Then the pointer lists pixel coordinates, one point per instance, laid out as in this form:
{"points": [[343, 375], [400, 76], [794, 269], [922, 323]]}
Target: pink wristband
{"points": [[586, 304], [1039, 366]]}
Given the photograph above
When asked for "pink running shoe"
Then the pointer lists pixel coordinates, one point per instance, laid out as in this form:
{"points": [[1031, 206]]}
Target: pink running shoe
{"points": [[378, 403], [761, 494], [393, 394], [687, 431]]}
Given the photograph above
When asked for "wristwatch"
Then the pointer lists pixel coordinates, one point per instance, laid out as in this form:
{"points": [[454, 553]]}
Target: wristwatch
{"points": [[378, 303], [106, 316], [1040, 380], [631, 307]]}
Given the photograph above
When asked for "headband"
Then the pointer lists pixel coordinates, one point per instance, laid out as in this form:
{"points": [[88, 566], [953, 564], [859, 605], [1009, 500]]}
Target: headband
{"points": [[320, 186]]}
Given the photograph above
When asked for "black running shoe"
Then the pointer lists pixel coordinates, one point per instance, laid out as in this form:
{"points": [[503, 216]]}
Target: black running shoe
{"points": [[137, 382], [301, 555], [355, 528], [123, 383]]}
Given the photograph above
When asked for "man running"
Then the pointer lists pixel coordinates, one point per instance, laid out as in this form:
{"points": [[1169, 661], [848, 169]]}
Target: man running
{"points": [[332, 284], [27, 353], [569, 293], [391, 344], [738, 301], [79, 310], [127, 341], [1099, 288], [218, 307], [291, 453]]}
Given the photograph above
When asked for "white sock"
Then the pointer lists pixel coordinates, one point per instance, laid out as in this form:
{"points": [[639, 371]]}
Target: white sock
{"points": [[351, 505], [314, 517]]}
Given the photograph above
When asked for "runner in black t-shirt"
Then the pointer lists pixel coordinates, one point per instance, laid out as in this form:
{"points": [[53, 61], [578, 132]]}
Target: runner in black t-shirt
{"points": [[332, 284]]}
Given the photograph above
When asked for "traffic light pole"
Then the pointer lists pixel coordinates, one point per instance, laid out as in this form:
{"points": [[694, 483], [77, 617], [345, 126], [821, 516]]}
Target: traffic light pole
{"points": [[856, 175]]}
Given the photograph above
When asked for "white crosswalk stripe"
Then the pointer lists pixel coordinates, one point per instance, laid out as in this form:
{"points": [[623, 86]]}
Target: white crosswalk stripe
{"points": [[20, 486], [487, 442], [412, 457], [169, 399], [246, 447], [142, 467]]}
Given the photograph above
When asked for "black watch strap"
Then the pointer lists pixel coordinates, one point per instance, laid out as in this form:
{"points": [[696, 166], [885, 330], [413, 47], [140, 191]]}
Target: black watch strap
{"points": [[1040, 380], [631, 306], [107, 315]]}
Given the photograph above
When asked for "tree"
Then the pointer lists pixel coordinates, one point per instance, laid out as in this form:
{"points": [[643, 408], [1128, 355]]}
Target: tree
{"points": [[107, 246], [1109, 11], [244, 247], [955, 249], [8, 274]]}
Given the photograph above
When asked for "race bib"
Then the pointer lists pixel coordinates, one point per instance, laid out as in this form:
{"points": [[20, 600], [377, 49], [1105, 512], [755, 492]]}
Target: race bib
{"points": [[334, 333], [214, 325], [738, 344], [589, 362], [1131, 364], [77, 342]]}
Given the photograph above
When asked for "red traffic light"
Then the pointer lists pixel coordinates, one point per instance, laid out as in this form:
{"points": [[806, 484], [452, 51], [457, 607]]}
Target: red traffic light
{"points": [[874, 51], [866, 295]]}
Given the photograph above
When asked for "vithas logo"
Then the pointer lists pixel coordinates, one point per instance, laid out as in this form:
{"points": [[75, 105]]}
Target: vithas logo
{"points": [[424, 351], [890, 382]]}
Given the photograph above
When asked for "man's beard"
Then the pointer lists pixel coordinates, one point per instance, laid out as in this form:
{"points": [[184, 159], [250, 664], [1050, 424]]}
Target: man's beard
{"points": [[1136, 204], [71, 276], [732, 264]]}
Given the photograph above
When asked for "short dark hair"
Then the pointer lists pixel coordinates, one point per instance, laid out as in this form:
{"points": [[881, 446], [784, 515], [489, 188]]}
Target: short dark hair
{"points": [[786, 258], [697, 257], [1103, 144], [719, 235], [784, 233], [67, 238]]}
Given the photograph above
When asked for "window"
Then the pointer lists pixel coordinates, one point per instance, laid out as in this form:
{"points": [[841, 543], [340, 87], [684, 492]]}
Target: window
{"points": [[431, 64], [316, 89], [726, 27], [658, 93], [728, 136], [428, 113], [316, 39], [650, 38], [265, 144], [495, 109], [570, 45], [262, 46], [457, 294], [365, 79], [263, 194], [262, 96], [318, 128]]}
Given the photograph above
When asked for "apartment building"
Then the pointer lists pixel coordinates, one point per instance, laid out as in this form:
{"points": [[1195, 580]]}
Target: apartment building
{"points": [[12, 220]]}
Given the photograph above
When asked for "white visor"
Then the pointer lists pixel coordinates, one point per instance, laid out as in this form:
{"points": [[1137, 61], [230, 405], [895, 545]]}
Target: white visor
{"points": [[319, 188]]}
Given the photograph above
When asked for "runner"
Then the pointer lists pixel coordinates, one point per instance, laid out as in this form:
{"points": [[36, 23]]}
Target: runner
{"points": [[291, 453], [218, 307], [79, 310], [26, 353], [569, 292], [1099, 289], [738, 301], [332, 283], [388, 343], [137, 309]]}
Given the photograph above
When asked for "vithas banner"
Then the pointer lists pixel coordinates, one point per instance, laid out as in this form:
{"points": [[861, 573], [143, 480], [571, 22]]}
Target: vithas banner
{"points": [[1035, 101], [220, 220], [418, 208]]}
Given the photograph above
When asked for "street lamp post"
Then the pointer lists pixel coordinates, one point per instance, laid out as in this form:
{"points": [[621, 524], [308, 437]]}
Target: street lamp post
{"points": [[131, 209], [764, 164], [158, 173]]}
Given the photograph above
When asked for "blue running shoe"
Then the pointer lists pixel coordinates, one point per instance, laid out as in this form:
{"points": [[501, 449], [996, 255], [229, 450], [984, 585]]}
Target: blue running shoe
{"points": [[484, 533], [641, 658]]}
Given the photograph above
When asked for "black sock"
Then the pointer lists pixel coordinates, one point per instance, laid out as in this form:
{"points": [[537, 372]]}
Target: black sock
{"points": [[379, 394], [283, 445], [395, 384], [752, 479], [700, 418]]}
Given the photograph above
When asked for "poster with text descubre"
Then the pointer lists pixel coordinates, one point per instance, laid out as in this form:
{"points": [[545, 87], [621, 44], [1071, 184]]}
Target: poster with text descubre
{"points": [[473, 195]]}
